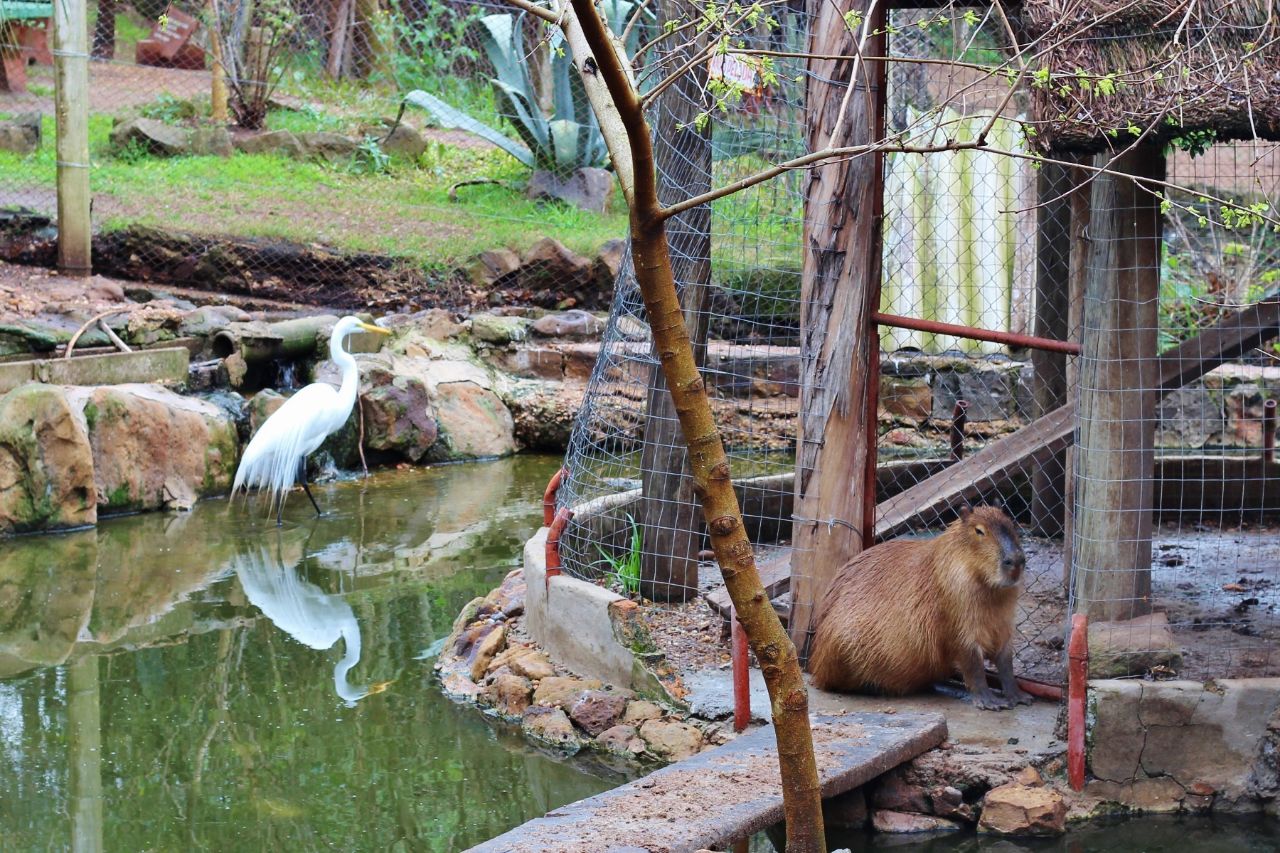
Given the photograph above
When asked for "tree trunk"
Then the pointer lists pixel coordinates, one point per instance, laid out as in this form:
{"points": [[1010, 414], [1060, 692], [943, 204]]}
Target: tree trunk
{"points": [[1053, 287], [802, 798], [672, 530], [104, 30], [839, 351], [218, 87], [71, 106], [335, 62], [368, 51], [1119, 389]]}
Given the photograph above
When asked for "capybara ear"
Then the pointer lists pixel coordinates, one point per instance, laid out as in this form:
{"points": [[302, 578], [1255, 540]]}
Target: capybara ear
{"points": [[965, 512]]}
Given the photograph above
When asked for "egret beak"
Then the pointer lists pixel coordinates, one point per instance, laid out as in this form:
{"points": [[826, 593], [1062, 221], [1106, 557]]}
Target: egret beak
{"points": [[377, 330], [379, 687]]}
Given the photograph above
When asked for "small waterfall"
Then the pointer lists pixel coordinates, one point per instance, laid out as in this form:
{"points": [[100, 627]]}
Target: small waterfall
{"points": [[288, 379]]}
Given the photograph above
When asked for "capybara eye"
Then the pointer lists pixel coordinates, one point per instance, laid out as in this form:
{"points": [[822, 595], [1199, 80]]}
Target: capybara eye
{"points": [[979, 531]]}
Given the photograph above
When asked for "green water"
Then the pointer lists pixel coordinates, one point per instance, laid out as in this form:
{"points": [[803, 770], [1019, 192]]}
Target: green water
{"points": [[177, 682]]}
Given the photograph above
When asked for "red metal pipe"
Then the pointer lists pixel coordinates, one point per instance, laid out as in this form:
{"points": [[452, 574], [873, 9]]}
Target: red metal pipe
{"points": [[549, 496], [1038, 689], [959, 418], [553, 542], [1077, 686], [1269, 431], [1009, 338], [741, 673]]}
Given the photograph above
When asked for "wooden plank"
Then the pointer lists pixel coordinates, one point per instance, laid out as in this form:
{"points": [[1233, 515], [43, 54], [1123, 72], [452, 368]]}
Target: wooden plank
{"points": [[1014, 454], [775, 576], [724, 794], [839, 291]]}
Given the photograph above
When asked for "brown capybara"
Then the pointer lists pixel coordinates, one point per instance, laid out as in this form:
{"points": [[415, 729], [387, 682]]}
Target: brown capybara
{"points": [[910, 612]]}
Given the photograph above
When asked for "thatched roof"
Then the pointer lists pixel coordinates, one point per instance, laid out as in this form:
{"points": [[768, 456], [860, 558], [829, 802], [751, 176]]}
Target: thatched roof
{"points": [[1175, 66]]}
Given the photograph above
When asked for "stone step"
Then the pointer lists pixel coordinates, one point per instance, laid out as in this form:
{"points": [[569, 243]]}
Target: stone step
{"points": [[723, 794]]}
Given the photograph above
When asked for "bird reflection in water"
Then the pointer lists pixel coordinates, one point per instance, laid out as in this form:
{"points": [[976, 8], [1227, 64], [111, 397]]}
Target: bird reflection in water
{"points": [[304, 611]]}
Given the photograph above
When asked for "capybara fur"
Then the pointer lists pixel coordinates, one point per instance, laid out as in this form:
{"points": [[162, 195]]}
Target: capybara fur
{"points": [[911, 612]]}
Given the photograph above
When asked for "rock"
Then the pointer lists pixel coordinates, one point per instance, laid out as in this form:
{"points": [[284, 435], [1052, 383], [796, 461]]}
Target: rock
{"points": [[483, 652], [435, 323], [906, 397], [494, 329], [671, 740], [621, 740], [569, 324], [534, 665], [846, 811], [46, 462], [21, 134], [214, 141], [894, 793], [544, 421], [398, 416], [1161, 795], [203, 322], [510, 694], [562, 691], [473, 423], [640, 710], [508, 597], [1132, 646], [154, 449], [323, 145], [609, 261], [549, 265], [529, 362], [885, 820], [403, 143], [949, 802], [1015, 809], [597, 710], [551, 726], [492, 266], [262, 406], [150, 136], [281, 142], [1028, 776], [586, 188]]}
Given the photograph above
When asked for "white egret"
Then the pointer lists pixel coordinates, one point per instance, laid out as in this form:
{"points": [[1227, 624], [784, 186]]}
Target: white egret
{"points": [[277, 454]]}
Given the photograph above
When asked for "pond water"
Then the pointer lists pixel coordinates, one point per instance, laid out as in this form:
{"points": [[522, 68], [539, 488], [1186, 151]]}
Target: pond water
{"points": [[208, 681]]}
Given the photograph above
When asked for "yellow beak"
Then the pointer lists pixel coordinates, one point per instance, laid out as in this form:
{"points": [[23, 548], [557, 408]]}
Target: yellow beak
{"points": [[377, 330]]}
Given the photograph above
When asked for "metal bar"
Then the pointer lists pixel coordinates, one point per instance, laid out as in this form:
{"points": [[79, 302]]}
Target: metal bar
{"points": [[741, 674], [553, 543], [959, 419], [1269, 431], [1009, 338], [549, 496], [1077, 687]]}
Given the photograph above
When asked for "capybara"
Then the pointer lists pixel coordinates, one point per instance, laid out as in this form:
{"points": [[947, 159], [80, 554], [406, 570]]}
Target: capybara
{"points": [[908, 613]]}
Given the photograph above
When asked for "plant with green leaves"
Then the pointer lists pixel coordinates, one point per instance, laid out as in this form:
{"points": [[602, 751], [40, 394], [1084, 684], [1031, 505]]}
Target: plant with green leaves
{"points": [[626, 569], [566, 140]]}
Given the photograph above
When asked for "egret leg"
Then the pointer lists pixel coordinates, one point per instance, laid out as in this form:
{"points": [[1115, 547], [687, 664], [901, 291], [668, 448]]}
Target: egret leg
{"points": [[302, 477]]}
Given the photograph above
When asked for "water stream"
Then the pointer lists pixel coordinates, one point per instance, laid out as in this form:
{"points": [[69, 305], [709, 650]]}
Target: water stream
{"points": [[207, 681]]}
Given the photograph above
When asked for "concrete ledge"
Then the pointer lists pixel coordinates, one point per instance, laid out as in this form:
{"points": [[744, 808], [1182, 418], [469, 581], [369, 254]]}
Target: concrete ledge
{"points": [[572, 621], [1173, 745], [169, 364]]}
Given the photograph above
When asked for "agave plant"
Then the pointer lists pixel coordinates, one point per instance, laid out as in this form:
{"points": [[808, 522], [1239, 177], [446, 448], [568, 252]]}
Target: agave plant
{"points": [[568, 139]]}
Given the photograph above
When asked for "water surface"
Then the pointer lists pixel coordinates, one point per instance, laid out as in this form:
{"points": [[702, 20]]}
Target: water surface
{"points": [[206, 681]]}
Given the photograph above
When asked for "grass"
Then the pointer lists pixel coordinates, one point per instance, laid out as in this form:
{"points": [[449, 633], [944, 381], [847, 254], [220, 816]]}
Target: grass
{"points": [[405, 212]]}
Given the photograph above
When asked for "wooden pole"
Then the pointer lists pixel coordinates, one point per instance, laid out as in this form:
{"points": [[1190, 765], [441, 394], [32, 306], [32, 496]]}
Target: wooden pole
{"points": [[1119, 389], [840, 289], [1078, 264], [673, 528], [84, 755], [1053, 248], [218, 87], [71, 108]]}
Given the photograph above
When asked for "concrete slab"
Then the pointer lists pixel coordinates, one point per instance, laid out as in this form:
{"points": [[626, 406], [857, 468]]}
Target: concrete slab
{"points": [[723, 794], [711, 694], [169, 364], [1028, 727]]}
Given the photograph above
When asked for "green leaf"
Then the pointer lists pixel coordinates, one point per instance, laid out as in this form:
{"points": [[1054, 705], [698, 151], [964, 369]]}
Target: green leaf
{"points": [[451, 118]]}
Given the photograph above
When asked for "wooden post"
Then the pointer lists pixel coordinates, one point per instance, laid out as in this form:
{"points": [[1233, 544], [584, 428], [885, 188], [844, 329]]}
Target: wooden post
{"points": [[840, 288], [218, 87], [1053, 247], [1119, 389], [671, 515], [104, 30], [71, 107]]}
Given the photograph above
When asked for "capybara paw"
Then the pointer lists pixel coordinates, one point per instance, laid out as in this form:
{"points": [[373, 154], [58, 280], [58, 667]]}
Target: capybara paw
{"points": [[991, 702], [1020, 696]]}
